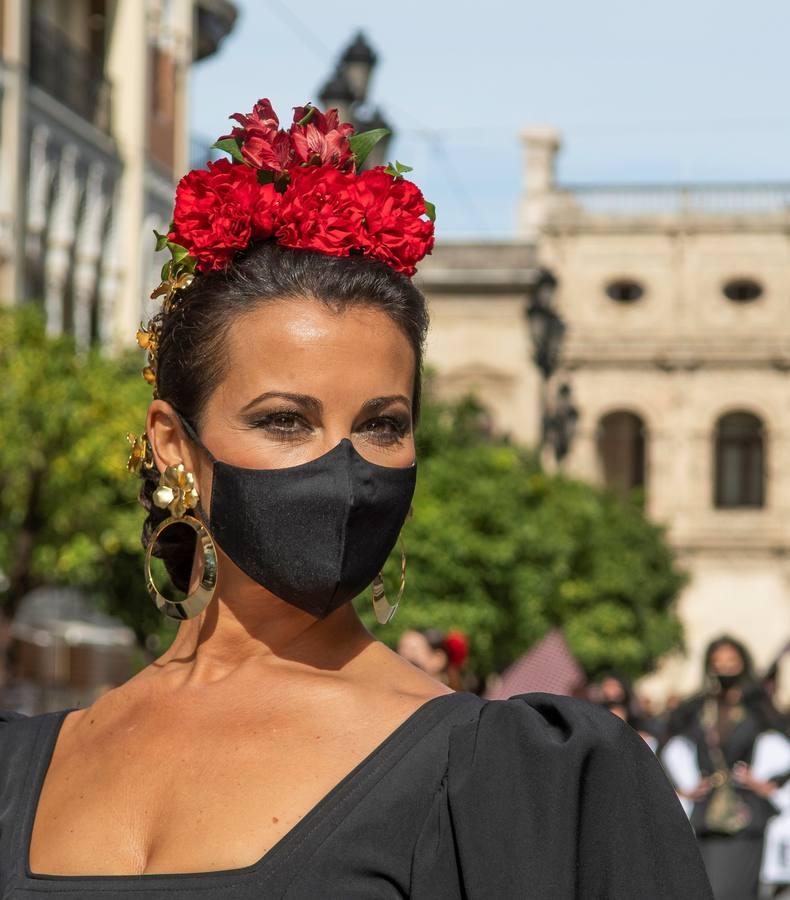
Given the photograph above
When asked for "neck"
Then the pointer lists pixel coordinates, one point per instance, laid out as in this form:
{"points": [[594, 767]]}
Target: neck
{"points": [[247, 628]]}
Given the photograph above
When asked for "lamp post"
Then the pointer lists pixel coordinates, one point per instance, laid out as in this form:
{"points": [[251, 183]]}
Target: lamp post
{"points": [[347, 91], [558, 415]]}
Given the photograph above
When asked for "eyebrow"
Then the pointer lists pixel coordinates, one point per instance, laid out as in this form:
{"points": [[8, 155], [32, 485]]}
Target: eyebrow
{"points": [[316, 406], [305, 400], [378, 403]]}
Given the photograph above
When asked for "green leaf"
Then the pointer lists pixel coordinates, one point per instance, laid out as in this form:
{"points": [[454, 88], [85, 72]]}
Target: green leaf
{"points": [[361, 144], [430, 210], [161, 240], [231, 146], [166, 270], [265, 177], [178, 251], [398, 169]]}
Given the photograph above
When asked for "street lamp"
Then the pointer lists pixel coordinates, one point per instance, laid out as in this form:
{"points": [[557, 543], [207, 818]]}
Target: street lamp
{"points": [[347, 91], [338, 94], [357, 64], [547, 329], [560, 424]]}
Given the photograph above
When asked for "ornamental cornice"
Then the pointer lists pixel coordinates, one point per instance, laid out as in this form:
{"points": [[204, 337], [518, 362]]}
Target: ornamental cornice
{"points": [[672, 354]]}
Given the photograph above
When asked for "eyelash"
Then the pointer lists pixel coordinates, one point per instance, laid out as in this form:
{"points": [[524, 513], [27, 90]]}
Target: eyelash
{"points": [[400, 427]]}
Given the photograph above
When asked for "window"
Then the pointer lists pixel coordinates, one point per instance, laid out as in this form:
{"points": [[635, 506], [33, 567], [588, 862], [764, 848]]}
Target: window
{"points": [[740, 466], [624, 290], [621, 451], [742, 290]]}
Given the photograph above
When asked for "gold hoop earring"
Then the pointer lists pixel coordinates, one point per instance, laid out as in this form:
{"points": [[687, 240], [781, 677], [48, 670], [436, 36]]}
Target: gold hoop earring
{"points": [[193, 604], [177, 492], [383, 609]]}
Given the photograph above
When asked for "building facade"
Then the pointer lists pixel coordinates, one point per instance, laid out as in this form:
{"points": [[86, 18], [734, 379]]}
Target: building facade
{"points": [[94, 101], [678, 351]]}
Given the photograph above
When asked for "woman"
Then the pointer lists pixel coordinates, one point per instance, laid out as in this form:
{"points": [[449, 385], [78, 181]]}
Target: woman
{"points": [[724, 752], [277, 749]]}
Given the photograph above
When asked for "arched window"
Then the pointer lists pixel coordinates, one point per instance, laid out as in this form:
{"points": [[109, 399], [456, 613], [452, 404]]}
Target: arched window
{"points": [[740, 467], [621, 451]]}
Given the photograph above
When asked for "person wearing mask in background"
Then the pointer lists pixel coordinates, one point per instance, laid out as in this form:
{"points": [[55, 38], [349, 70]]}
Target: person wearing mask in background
{"points": [[722, 752]]}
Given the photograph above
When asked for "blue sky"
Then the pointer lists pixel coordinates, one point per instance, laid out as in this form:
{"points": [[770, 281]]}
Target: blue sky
{"points": [[681, 90]]}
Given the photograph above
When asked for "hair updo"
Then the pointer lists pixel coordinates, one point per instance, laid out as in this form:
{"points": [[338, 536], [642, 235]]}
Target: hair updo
{"points": [[191, 359]]}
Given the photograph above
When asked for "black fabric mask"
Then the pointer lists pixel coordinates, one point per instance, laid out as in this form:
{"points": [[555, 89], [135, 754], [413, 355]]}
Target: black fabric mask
{"points": [[728, 681], [316, 534]]}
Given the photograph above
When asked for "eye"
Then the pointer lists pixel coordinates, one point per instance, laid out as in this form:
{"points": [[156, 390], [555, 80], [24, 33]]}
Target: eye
{"points": [[386, 429], [283, 424]]}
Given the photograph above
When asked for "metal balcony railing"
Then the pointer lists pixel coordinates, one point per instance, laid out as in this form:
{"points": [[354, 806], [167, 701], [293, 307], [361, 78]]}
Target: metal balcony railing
{"points": [[671, 200], [69, 73]]}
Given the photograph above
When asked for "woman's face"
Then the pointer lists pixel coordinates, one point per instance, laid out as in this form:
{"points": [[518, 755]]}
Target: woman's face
{"points": [[300, 378], [726, 660]]}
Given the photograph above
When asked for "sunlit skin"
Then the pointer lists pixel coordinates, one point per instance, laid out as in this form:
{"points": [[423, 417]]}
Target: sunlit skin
{"points": [[208, 756]]}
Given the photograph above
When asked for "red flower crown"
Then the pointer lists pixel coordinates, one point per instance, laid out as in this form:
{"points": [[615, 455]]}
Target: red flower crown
{"points": [[302, 188]]}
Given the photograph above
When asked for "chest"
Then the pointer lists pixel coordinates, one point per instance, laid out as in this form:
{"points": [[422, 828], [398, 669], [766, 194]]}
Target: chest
{"points": [[184, 799]]}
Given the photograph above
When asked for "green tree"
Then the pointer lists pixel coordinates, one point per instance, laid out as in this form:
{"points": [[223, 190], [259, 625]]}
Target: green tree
{"points": [[504, 551], [68, 506]]}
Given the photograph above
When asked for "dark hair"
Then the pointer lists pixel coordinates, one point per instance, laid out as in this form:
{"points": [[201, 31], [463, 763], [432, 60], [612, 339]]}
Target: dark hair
{"points": [[191, 360], [740, 648]]}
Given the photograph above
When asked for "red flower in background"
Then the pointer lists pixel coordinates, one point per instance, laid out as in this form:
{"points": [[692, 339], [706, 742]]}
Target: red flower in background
{"points": [[322, 140], [389, 214], [220, 211]]}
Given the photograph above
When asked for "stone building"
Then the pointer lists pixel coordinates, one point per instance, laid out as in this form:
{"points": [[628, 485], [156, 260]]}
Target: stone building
{"points": [[678, 351], [93, 134]]}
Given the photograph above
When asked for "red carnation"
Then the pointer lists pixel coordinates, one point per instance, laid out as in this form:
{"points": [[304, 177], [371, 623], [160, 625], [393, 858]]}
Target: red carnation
{"points": [[263, 144], [323, 140], [390, 220], [315, 211], [220, 211]]}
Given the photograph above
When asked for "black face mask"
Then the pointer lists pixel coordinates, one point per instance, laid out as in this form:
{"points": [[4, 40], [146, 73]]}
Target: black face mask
{"points": [[728, 681], [316, 534]]}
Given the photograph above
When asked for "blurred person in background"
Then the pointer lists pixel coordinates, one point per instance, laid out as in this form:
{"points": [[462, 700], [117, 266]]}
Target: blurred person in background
{"points": [[614, 692], [724, 749], [440, 655]]}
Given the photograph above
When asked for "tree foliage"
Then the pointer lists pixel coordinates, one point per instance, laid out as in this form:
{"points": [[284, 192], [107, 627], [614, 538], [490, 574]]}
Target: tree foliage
{"points": [[68, 507], [497, 547]]}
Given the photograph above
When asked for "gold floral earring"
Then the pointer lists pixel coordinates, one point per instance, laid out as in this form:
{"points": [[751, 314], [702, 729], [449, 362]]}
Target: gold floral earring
{"points": [[178, 494]]}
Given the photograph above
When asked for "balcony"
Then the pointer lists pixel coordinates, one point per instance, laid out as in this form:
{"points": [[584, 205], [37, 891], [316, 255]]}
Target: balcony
{"points": [[69, 73], [668, 199]]}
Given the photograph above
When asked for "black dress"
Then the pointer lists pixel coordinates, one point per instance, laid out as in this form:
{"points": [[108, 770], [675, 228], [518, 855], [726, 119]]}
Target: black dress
{"points": [[537, 797]]}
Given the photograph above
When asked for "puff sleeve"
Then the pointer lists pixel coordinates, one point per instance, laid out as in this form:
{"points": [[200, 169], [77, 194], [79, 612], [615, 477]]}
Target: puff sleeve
{"points": [[554, 799]]}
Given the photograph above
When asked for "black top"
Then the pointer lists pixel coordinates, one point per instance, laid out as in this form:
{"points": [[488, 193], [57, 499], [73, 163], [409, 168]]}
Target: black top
{"points": [[535, 797]]}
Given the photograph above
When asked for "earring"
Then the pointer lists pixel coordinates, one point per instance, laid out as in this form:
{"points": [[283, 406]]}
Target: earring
{"points": [[177, 493], [383, 609]]}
